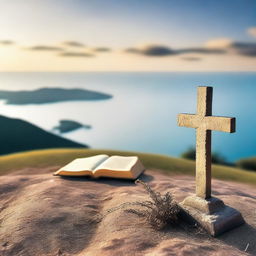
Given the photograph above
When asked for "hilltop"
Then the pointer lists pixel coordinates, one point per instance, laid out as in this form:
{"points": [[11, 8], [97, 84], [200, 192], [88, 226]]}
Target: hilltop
{"points": [[36, 206], [18, 135]]}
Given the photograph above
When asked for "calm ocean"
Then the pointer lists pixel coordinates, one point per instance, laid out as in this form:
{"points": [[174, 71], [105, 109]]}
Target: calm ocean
{"points": [[142, 114]]}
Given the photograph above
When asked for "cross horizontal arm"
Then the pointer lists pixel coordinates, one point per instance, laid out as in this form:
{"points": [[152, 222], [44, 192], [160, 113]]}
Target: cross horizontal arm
{"points": [[215, 123], [188, 120], [219, 123]]}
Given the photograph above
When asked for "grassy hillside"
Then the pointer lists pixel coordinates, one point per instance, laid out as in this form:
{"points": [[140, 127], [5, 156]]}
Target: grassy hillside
{"points": [[170, 165], [17, 135]]}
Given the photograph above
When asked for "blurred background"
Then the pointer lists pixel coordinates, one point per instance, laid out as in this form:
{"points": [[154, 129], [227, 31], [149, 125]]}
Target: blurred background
{"points": [[115, 74]]}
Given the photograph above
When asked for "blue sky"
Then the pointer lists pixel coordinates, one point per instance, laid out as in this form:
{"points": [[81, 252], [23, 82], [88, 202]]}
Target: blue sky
{"points": [[199, 18], [118, 25]]}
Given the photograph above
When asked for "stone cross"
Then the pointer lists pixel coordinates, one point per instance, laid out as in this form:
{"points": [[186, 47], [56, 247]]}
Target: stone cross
{"points": [[204, 123]]}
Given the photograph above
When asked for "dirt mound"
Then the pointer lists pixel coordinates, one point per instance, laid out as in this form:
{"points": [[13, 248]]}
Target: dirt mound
{"points": [[45, 215]]}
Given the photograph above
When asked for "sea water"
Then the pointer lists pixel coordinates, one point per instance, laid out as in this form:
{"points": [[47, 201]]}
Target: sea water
{"points": [[142, 115]]}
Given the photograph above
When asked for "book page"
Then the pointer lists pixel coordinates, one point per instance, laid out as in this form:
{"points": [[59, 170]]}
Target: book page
{"points": [[118, 163], [120, 167], [84, 164]]}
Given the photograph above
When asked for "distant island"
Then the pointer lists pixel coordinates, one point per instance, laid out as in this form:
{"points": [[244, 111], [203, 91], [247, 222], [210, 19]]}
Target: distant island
{"points": [[65, 126], [51, 95], [18, 135]]}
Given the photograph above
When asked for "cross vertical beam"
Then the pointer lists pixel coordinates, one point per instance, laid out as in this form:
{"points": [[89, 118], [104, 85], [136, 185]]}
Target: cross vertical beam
{"points": [[204, 122], [203, 144], [204, 101], [203, 163]]}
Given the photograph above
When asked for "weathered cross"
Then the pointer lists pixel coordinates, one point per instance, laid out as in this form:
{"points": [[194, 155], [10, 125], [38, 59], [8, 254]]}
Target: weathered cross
{"points": [[204, 122]]}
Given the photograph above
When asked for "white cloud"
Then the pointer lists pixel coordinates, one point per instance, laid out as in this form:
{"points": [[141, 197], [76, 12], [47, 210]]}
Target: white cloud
{"points": [[252, 31], [219, 43], [236, 47]]}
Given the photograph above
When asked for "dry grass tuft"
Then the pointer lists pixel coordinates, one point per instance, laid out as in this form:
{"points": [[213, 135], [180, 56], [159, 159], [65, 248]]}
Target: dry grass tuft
{"points": [[160, 211]]}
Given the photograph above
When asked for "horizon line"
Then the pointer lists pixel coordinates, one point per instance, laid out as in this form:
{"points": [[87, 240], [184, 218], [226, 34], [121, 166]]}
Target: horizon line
{"points": [[130, 71]]}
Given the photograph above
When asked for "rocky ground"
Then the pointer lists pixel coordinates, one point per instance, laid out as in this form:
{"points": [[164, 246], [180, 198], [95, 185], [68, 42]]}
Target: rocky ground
{"points": [[41, 214]]}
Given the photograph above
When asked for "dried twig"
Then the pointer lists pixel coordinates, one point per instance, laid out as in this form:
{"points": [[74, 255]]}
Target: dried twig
{"points": [[160, 211], [246, 248]]}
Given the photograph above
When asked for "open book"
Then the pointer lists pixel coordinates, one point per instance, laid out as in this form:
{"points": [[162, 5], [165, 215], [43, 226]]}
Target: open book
{"points": [[126, 167]]}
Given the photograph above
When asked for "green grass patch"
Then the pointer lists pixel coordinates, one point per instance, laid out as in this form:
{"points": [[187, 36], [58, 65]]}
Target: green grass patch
{"points": [[170, 165]]}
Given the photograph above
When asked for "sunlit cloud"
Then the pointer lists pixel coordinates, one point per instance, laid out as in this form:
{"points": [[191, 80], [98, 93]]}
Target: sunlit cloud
{"points": [[252, 31], [152, 50], [76, 54], [202, 50], [219, 43], [215, 46], [101, 49], [246, 49], [233, 47], [161, 50], [73, 44], [6, 42], [191, 58], [45, 48]]}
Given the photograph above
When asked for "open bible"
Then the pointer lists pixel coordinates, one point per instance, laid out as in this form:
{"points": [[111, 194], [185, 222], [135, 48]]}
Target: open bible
{"points": [[126, 167]]}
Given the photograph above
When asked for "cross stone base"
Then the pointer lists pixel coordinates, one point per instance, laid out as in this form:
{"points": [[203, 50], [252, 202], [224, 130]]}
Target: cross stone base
{"points": [[212, 214]]}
